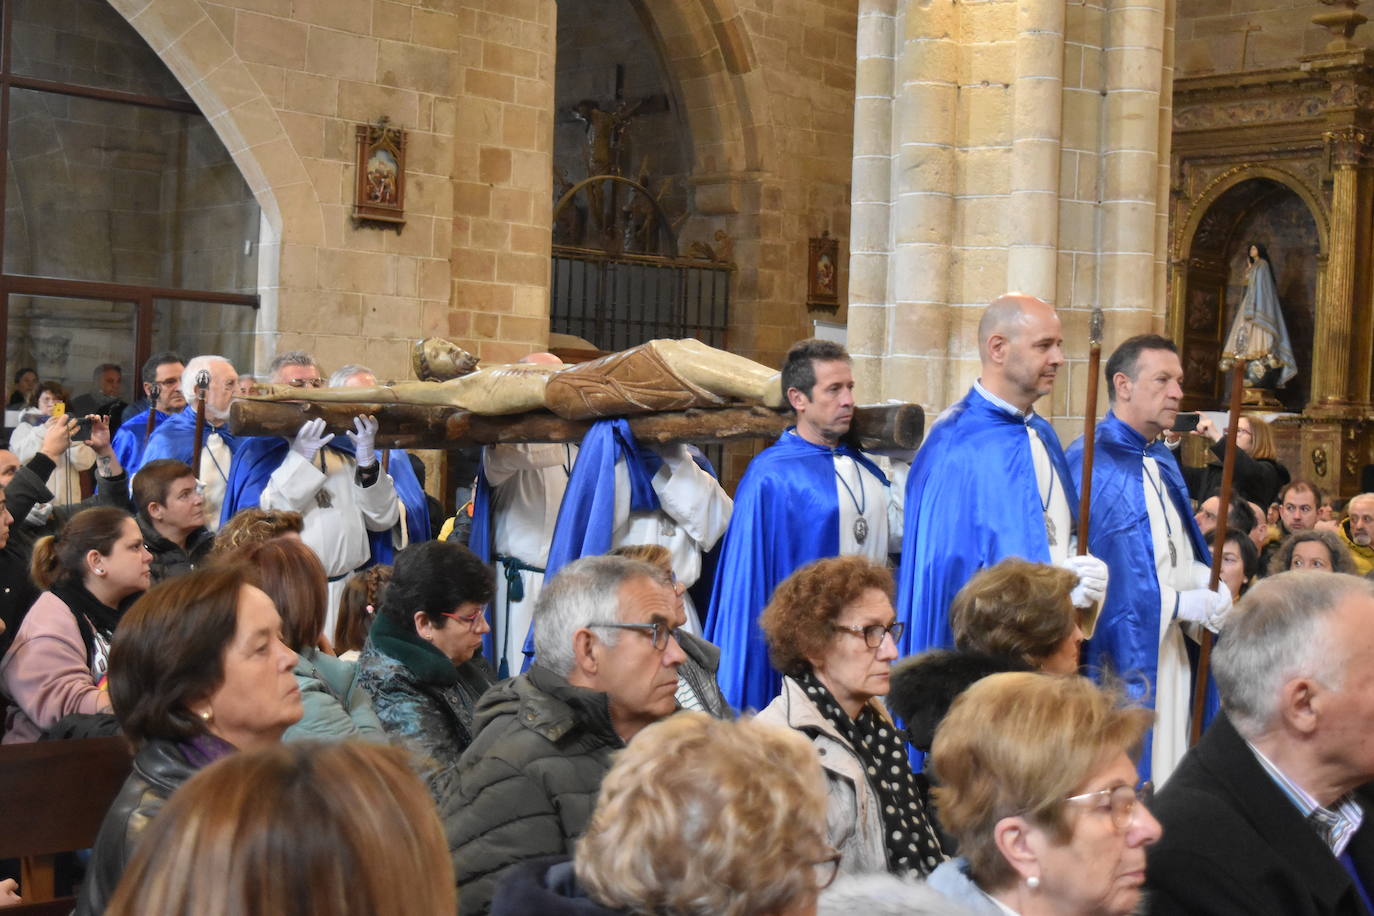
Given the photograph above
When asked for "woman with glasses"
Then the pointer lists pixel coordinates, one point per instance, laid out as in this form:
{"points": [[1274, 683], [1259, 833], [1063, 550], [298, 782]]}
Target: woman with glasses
{"points": [[759, 850], [418, 663], [336, 706], [833, 634], [1036, 784]]}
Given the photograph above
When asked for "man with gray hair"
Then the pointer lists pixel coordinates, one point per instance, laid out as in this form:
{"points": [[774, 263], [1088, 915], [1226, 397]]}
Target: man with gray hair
{"points": [[335, 483], [1267, 813], [175, 438], [606, 667], [1358, 531]]}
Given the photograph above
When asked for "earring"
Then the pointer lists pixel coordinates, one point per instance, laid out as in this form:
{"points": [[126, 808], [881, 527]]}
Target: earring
{"points": [[1033, 882], [207, 716], [100, 572]]}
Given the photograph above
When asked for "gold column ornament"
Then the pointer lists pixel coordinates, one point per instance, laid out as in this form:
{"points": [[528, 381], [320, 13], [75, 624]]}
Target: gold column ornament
{"points": [[1348, 148]]}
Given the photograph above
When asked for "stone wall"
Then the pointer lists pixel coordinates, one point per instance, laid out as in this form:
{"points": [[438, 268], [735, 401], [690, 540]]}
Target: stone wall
{"points": [[1005, 145], [1212, 34]]}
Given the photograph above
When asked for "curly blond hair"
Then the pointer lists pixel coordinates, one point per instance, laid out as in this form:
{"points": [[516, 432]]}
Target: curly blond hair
{"points": [[798, 620], [706, 816]]}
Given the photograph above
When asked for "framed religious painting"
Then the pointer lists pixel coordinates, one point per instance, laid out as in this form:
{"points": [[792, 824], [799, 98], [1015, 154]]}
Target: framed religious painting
{"points": [[822, 273], [380, 193]]}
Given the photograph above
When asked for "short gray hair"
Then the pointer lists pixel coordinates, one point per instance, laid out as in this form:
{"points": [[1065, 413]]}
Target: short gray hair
{"points": [[291, 358], [1277, 632], [584, 592], [344, 373], [188, 375]]}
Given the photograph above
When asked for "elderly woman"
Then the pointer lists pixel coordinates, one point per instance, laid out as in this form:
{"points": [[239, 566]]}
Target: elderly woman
{"points": [[197, 671], [64, 481], [1036, 784], [336, 706], [762, 850], [56, 666], [833, 634], [1012, 616], [419, 663], [1311, 549], [295, 830]]}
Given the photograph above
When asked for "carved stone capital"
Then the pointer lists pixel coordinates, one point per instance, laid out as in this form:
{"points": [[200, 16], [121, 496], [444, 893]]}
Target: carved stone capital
{"points": [[1349, 146]]}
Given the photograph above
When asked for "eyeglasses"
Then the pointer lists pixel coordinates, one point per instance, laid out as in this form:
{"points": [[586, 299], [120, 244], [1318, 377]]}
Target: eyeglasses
{"points": [[470, 621], [825, 870], [873, 635], [1121, 801], [306, 382], [659, 631], [168, 383]]}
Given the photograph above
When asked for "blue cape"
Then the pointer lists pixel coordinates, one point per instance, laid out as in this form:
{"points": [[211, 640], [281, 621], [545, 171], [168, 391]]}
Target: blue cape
{"points": [[131, 438], [176, 438], [259, 456], [786, 515], [1126, 641], [971, 501]]}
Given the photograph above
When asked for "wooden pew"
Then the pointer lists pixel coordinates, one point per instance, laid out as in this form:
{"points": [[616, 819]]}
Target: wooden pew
{"points": [[53, 797]]}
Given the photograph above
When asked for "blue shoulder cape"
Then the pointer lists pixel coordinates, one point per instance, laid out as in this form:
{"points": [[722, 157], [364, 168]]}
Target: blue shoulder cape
{"points": [[971, 501], [132, 437], [259, 456], [176, 438], [1126, 641], [786, 515]]}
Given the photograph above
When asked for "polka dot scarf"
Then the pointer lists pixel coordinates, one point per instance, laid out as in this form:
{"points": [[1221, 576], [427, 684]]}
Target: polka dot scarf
{"points": [[911, 841]]}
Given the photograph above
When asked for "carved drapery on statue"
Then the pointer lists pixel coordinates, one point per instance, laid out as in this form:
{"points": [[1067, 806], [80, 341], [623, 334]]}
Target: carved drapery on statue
{"points": [[1258, 333]]}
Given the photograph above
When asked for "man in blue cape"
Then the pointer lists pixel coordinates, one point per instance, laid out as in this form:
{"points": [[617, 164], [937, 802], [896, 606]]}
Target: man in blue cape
{"points": [[162, 384], [348, 504], [176, 437], [1142, 525], [808, 496], [990, 481]]}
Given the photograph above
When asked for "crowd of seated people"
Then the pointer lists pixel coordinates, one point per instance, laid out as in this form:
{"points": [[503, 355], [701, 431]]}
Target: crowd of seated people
{"points": [[286, 762]]}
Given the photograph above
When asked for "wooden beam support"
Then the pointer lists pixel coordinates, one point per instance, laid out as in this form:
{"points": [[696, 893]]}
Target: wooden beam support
{"points": [[886, 426]]}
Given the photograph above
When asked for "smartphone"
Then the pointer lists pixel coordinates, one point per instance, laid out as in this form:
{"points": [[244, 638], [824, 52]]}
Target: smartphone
{"points": [[83, 430], [1186, 422], [59, 408]]}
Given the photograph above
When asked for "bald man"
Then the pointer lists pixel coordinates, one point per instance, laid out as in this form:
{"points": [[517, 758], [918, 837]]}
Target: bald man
{"points": [[1358, 531], [990, 481]]}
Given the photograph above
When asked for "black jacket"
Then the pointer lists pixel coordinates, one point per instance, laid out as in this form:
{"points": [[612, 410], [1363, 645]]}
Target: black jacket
{"points": [[547, 887], [169, 560], [160, 767], [17, 593], [1234, 844], [528, 782], [699, 671], [29, 487], [1257, 479]]}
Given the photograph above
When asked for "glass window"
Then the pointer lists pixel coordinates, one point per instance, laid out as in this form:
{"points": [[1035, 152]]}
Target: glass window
{"points": [[205, 327], [65, 339]]}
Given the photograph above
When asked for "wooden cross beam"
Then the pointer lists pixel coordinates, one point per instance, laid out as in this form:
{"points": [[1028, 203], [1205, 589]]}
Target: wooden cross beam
{"points": [[885, 426]]}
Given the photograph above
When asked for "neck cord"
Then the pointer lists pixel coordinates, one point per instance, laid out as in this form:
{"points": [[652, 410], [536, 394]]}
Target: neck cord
{"points": [[858, 506]]}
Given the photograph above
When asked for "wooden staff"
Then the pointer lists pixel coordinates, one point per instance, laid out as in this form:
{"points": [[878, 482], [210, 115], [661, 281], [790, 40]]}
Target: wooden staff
{"points": [[152, 392], [202, 385], [1089, 621], [1228, 472]]}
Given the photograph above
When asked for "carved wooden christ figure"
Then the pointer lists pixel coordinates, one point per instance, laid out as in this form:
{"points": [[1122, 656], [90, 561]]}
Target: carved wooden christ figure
{"points": [[659, 375]]}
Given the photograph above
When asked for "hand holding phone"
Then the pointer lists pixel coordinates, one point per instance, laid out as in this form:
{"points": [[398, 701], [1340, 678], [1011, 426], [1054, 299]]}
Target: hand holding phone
{"points": [[1186, 422]]}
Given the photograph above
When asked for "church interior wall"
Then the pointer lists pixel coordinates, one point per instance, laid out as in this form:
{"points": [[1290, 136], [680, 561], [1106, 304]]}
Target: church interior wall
{"points": [[1214, 34]]}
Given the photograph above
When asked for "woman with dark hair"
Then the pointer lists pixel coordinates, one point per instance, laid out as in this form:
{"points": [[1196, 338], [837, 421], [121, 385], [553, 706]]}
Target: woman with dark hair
{"points": [[336, 706], [1239, 561], [91, 573], [297, 830], [64, 481], [198, 670], [25, 383], [1313, 549], [419, 663], [832, 632]]}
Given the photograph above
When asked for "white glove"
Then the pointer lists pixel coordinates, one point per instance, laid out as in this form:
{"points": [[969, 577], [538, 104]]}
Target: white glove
{"points": [[1092, 579], [1204, 606], [310, 438], [364, 439]]}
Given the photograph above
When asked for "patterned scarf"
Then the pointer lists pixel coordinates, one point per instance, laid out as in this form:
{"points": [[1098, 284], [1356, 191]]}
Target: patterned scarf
{"points": [[911, 841]]}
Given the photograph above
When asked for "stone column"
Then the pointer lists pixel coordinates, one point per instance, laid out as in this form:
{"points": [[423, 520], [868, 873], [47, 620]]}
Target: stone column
{"points": [[1037, 115], [1349, 148]]}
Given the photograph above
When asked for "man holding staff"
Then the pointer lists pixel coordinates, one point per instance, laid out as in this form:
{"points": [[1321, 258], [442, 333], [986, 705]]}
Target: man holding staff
{"points": [[1142, 526], [990, 459]]}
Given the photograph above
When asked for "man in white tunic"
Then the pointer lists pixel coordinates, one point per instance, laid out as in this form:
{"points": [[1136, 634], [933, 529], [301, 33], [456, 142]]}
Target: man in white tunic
{"points": [[991, 481], [1142, 525]]}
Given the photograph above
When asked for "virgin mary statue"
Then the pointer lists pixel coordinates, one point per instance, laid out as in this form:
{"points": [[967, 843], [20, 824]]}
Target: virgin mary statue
{"points": [[1258, 333]]}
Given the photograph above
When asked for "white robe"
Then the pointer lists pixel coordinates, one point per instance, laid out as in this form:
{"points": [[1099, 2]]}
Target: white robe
{"points": [[695, 513], [882, 508], [65, 481], [1173, 675], [338, 513], [527, 483]]}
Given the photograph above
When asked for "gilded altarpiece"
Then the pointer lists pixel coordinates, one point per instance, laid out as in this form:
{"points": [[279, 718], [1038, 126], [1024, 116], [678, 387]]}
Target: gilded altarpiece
{"points": [[1288, 153]]}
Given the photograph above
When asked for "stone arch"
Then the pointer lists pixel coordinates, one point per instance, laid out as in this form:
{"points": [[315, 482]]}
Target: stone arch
{"points": [[1212, 192], [242, 116]]}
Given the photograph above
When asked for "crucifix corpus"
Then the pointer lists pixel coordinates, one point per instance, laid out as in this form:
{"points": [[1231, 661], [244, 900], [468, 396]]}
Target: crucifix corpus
{"points": [[668, 390]]}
